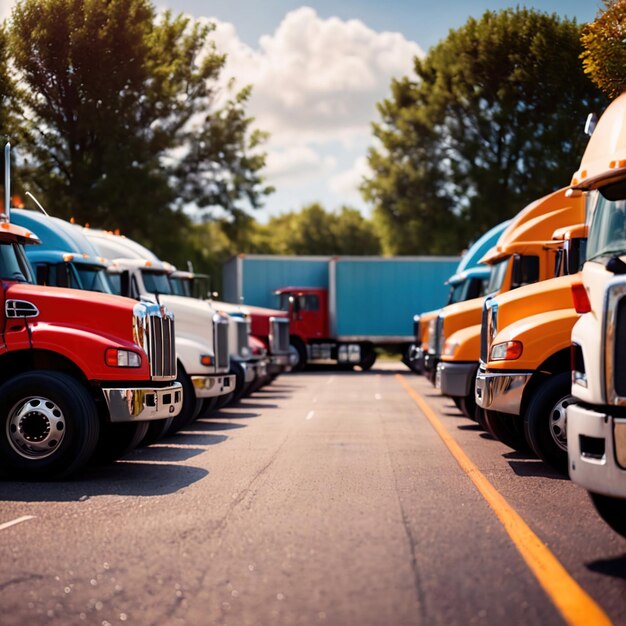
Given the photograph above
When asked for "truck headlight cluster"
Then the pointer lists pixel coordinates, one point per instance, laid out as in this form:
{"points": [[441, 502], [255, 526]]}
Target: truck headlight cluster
{"points": [[450, 347], [122, 358], [507, 351]]}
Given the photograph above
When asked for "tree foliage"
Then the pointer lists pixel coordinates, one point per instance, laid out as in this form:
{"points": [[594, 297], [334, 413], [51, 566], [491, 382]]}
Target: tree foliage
{"points": [[123, 126], [314, 230], [604, 43], [492, 120]]}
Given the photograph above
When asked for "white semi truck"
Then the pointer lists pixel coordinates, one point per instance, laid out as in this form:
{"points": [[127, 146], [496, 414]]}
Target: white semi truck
{"points": [[596, 422]]}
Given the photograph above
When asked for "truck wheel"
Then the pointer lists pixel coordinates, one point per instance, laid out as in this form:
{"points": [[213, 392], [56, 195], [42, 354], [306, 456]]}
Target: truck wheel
{"points": [[117, 440], [369, 358], [468, 406], [185, 417], [49, 426], [208, 407], [222, 401], [545, 421], [507, 429], [612, 511], [157, 429], [297, 356]]}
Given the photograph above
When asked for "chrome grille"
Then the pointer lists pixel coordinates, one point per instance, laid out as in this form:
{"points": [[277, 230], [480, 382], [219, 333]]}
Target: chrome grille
{"points": [[417, 332], [161, 350], [484, 333], [243, 343], [615, 342], [438, 342], [220, 342], [279, 335]]}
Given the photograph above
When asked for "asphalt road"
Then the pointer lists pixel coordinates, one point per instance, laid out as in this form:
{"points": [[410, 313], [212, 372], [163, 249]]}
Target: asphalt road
{"points": [[328, 498]]}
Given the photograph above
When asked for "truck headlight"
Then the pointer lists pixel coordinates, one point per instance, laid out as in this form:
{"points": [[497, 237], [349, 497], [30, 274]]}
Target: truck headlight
{"points": [[450, 347], [507, 351], [245, 352], [122, 358]]}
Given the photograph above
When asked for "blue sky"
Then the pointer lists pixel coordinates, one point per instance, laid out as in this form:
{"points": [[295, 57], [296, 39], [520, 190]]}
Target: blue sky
{"points": [[319, 68]]}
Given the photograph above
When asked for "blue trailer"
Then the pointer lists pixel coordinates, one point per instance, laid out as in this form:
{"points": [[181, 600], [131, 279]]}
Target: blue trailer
{"points": [[341, 307]]}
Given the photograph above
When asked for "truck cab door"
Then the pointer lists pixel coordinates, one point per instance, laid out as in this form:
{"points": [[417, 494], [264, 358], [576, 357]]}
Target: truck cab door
{"points": [[307, 316]]}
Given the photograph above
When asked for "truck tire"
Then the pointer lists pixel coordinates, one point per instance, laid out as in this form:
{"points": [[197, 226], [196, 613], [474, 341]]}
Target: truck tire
{"points": [[49, 425], [208, 407], [185, 417], [507, 429], [545, 420], [224, 400], [157, 429], [368, 359], [297, 355], [612, 511], [117, 440]]}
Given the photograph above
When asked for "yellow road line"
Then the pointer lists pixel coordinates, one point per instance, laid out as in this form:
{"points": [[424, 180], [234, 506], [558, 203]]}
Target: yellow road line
{"points": [[572, 601]]}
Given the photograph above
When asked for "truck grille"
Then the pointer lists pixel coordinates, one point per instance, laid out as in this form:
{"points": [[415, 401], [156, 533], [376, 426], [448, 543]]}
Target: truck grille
{"points": [[279, 335], [417, 330], [220, 343], [616, 353], [438, 342], [161, 350], [484, 334], [243, 347]]}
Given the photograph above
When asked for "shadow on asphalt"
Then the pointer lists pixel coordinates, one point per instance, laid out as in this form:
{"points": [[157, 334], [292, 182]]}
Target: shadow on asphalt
{"points": [[244, 404], [486, 435], [232, 414], [208, 425], [162, 453], [123, 478], [537, 468], [615, 567], [475, 427]]}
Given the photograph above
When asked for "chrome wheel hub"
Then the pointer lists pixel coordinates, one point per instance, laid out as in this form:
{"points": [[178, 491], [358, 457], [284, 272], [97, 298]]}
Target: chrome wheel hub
{"points": [[558, 422], [35, 428]]}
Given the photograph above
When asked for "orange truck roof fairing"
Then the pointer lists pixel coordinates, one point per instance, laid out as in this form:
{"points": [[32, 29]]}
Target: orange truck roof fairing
{"points": [[604, 160], [537, 222]]}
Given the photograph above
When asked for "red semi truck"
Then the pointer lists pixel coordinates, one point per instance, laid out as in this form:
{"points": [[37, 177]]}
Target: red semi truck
{"points": [[76, 368]]}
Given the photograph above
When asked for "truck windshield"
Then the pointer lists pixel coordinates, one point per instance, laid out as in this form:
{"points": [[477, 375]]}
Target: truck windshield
{"points": [[283, 301], [93, 278], [181, 286], [607, 230], [156, 282], [13, 264], [456, 293], [496, 278]]}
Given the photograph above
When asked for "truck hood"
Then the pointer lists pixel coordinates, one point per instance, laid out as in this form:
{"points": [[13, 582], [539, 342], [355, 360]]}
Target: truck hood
{"points": [[543, 297], [193, 318], [461, 315], [107, 314]]}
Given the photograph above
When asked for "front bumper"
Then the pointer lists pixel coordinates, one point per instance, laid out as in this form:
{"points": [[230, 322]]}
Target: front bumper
{"points": [[213, 385], [596, 447], [417, 358], [143, 404], [253, 370], [278, 364], [455, 379], [500, 391]]}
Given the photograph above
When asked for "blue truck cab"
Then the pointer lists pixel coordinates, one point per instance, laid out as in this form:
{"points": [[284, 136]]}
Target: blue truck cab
{"points": [[468, 281]]}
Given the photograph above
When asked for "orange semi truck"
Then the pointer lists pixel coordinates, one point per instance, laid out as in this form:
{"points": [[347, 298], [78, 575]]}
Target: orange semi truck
{"points": [[523, 382], [525, 254]]}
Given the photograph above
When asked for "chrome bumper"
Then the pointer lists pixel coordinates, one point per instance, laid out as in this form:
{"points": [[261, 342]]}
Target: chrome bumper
{"points": [[142, 405], [596, 448], [213, 385], [455, 379], [417, 358], [502, 392], [278, 363]]}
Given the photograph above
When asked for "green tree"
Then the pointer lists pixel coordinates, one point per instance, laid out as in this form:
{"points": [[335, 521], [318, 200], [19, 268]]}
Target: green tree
{"points": [[119, 102], [491, 121], [313, 230], [604, 43]]}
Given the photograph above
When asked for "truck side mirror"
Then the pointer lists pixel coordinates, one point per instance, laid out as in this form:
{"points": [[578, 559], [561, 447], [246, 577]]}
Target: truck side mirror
{"points": [[42, 272]]}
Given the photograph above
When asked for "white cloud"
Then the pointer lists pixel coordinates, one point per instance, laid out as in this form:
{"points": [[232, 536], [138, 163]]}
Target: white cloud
{"points": [[317, 78], [6, 6], [347, 182], [316, 83]]}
